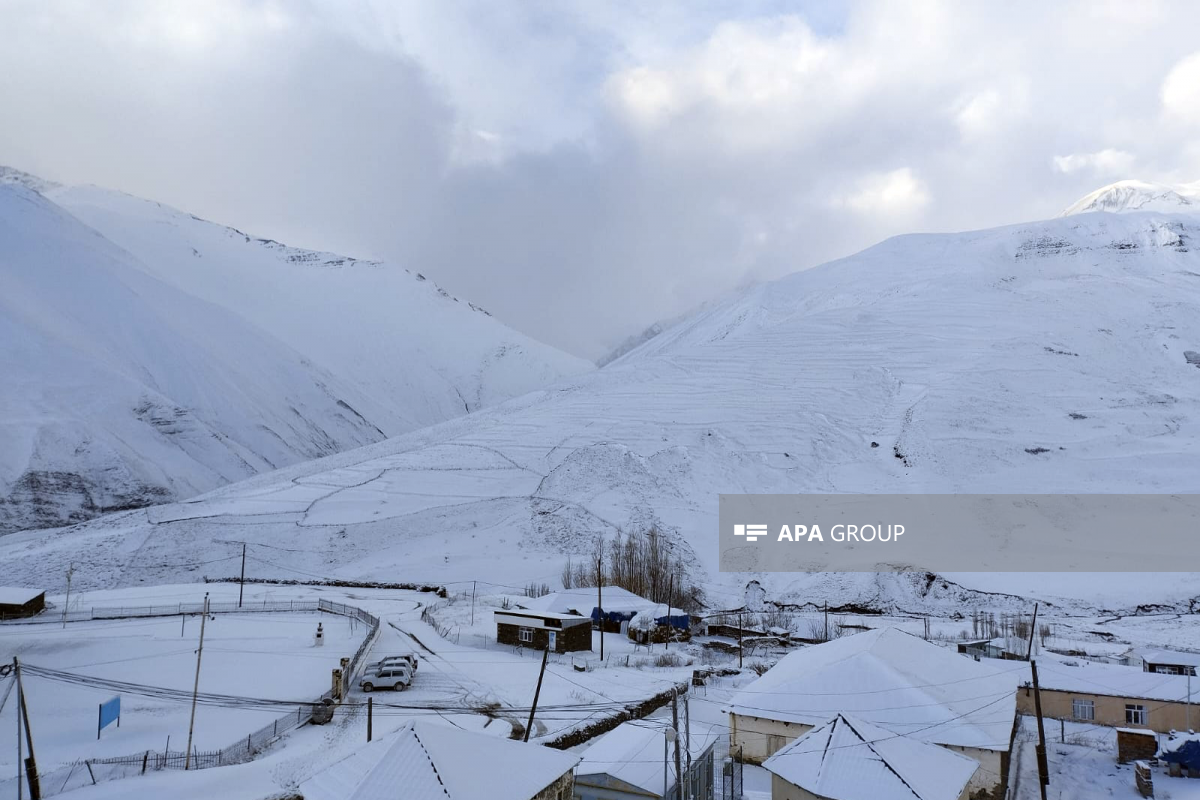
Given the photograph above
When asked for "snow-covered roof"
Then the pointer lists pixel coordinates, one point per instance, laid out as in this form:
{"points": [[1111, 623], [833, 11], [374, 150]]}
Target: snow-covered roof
{"points": [[17, 596], [1162, 656], [891, 678], [431, 761], [1090, 677], [583, 600], [848, 759], [519, 612], [633, 752]]}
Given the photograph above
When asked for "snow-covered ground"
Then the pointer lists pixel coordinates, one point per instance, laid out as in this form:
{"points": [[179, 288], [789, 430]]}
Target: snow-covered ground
{"points": [[1046, 357], [149, 355], [273, 656], [270, 656]]}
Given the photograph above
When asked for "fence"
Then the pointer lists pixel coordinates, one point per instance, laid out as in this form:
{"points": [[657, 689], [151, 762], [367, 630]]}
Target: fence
{"points": [[90, 771]]}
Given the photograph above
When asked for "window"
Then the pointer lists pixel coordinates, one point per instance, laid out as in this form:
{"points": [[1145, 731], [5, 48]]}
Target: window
{"points": [[1083, 709], [526, 634], [1135, 714]]}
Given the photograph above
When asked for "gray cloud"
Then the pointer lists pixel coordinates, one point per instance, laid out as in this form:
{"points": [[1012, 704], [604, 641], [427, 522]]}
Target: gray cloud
{"points": [[583, 170]]}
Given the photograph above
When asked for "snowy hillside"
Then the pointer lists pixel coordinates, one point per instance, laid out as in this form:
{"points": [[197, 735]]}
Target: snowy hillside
{"points": [[1058, 356], [119, 390], [169, 355], [1139, 196], [418, 355]]}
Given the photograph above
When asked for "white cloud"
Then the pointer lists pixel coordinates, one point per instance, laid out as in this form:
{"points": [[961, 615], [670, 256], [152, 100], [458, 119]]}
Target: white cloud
{"points": [[896, 193], [1109, 162], [1181, 90], [584, 169]]}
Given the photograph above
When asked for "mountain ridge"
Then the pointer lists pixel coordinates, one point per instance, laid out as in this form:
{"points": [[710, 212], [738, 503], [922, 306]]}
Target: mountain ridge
{"points": [[1044, 357]]}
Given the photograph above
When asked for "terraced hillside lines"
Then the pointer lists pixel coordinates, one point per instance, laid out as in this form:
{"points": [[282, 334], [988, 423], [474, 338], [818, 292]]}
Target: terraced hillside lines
{"points": [[984, 362]]}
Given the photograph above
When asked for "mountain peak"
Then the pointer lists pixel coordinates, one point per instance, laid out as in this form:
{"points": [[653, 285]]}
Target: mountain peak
{"points": [[8, 175], [1135, 195]]}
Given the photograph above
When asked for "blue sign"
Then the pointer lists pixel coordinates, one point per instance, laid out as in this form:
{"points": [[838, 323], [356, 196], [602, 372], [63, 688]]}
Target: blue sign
{"points": [[109, 712]]}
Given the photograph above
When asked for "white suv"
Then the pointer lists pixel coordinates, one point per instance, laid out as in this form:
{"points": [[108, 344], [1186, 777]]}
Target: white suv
{"points": [[397, 677], [408, 659]]}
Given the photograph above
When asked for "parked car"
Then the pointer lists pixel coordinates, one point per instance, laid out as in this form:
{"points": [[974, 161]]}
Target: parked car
{"points": [[408, 658], [397, 676]]}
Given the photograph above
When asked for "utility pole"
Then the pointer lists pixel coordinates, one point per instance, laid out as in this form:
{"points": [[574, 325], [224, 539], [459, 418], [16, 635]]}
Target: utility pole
{"points": [[67, 604], [472, 604], [537, 692], [187, 760], [1043, 764], [1032, 631], [600, 599], [370, 709], [20, 751], [31, 773], [827, 620], [675, 725], [1189, 700], [739, 640], [670, 591], [242, 579], [687, 741]]}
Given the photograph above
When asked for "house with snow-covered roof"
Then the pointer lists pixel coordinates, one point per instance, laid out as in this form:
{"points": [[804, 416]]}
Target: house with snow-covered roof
{"points": [[1112, 695], [848, 759], [636, 761], [891, 679], [619, 605], [1169, 662], [20, 602], [427, 760]]}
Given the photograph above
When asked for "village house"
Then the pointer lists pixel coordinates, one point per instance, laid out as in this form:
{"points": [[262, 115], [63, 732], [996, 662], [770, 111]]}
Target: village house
{"points": [[427, 760], [620, 605], [631, 761], [1169, 662], [893, 679], [1107, 694], [16, 602], [544, 630], [848, 759]]}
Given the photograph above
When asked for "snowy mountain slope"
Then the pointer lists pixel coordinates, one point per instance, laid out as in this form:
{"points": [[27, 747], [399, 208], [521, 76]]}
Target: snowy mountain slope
{"points": [[119, 390], [419, 355], [1056, 356], [1139, 196]]}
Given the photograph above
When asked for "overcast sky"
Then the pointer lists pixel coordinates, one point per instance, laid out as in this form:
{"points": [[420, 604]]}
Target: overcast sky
{"points": [[583, 169]]}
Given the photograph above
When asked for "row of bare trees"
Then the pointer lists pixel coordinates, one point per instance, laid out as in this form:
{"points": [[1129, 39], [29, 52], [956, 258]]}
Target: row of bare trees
{"points": [[639, 562]]}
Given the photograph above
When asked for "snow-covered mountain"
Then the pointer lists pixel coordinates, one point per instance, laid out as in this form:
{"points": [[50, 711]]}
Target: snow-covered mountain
{"points": [[1056, 356], [419, 355], [149, 355], [1139, 196]]}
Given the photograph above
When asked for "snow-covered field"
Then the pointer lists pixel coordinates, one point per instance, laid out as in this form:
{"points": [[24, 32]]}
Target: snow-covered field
{"points": [[273, 656], [959, 354], [270, 656]]}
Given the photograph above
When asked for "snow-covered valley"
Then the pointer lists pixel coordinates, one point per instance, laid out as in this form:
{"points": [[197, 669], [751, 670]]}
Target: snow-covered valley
{"points": [[1056, 356]]}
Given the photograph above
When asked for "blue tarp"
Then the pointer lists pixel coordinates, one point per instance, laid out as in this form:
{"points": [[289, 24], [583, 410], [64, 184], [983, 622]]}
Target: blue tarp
{"points": [[1186, 753], [681, 621]]}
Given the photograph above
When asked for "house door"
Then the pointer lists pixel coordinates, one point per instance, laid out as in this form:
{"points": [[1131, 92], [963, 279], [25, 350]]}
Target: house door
{"points": [[553, 641]]}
